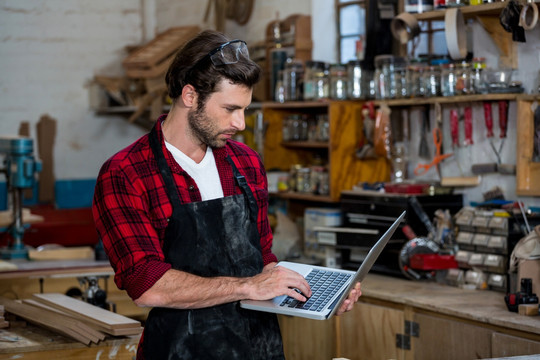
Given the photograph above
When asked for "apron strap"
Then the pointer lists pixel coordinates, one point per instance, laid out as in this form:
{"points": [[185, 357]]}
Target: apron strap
{"points": [[166, 174], [242, 183]]}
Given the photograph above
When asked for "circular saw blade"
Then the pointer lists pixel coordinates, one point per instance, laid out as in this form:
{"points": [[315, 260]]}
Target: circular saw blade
{"points": [[412, 247]]}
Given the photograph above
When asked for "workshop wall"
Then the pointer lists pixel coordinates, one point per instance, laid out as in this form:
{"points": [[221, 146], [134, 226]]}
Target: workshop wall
{"points": [[51, 50]]}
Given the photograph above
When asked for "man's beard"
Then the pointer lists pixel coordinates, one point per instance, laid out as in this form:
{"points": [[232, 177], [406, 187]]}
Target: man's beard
{"points": [[204, 128]]}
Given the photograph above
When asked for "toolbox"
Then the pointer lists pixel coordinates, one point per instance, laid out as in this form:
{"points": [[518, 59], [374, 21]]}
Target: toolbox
{"points": [[368, 214]]}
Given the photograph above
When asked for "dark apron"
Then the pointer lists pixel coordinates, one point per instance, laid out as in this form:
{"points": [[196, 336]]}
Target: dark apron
{"points": [[211, 238]]}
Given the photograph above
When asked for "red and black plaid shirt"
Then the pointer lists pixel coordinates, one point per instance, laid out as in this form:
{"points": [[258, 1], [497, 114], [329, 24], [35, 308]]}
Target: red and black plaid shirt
{"points": [[131, 207]]}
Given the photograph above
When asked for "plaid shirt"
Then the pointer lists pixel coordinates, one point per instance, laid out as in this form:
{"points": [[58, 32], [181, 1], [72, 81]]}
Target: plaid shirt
{"points": [[131, 207]]}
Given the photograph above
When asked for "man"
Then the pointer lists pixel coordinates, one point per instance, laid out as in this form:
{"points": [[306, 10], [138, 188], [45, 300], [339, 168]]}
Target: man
{"points": [[182, 213]]}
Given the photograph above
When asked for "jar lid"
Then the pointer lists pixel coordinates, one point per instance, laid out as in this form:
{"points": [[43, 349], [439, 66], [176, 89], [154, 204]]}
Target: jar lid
{"points": [[355, 62], [315, 64], [383, 59]]}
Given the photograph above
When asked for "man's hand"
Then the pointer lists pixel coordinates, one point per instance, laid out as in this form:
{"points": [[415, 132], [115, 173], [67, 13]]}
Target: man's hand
{"points": [[348, 304], [276, 281]]}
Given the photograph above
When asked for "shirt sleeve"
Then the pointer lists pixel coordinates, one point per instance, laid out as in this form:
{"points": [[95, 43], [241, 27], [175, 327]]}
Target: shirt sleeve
{"points": [[263, 223], [129, 238]]}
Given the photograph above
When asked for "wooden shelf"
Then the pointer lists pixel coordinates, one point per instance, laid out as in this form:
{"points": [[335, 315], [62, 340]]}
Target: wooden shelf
{"points": [[305, 197], [449, 99], [295, 104], [305, 144], [491, 9]]}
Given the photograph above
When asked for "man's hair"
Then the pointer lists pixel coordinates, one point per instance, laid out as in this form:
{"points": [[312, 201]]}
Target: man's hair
{"points": [[191, 65]]}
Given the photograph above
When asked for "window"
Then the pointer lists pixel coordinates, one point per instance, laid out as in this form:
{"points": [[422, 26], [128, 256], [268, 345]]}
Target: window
{"points": [[431, 40], [351, 25]]}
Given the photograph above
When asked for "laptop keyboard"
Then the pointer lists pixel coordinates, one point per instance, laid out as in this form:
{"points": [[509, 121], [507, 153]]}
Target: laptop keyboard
{"points": [[324, 284]]}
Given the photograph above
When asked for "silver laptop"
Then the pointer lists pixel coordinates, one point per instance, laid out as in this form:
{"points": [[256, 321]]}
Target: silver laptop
{"points": [[329, 287]]}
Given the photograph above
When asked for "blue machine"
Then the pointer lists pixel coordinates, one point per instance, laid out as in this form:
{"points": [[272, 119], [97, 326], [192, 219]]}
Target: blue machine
{"points": [[20, 169]]}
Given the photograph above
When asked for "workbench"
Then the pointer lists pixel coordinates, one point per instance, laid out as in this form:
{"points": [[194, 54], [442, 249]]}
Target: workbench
{"points": [[32, 277], [33, 342], [395, 318], [403, 319], [36, 343]]}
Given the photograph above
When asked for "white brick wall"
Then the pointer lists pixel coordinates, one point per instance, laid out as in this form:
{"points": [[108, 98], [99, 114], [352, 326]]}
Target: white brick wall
{"points": [[50, 49]]}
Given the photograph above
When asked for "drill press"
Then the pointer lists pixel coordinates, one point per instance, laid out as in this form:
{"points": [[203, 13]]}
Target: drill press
{"points": [[20, 169]]}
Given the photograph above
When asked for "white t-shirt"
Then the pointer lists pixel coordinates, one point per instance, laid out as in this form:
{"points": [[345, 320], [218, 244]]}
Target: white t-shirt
{"points": [[205, 173]]}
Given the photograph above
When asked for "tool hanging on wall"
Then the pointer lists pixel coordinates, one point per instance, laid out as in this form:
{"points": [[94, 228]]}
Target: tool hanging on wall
{"points": [[437, 159], [463, 179], [423, 148], [503, 125], [366, 148], [488, 119], [467, 113]]}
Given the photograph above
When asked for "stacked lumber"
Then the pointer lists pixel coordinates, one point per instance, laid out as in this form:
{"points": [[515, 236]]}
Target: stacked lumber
{"points": [[72, 318], [153, 59], [150, 63], [3, 322]]}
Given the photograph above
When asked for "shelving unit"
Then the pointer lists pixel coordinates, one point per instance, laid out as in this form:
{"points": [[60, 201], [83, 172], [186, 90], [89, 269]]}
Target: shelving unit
{"points": [[488, 16], [345, 169], [489, 9]]}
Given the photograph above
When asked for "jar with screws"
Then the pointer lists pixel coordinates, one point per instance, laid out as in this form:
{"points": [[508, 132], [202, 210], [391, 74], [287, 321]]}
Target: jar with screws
{"points": [[463, 78], [478, 66]]}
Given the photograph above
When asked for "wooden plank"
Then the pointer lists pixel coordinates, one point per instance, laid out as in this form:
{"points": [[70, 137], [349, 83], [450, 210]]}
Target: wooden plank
{"points": [[527, 170], [37, 343], [95, 334], [46, 134], [38, 317], [63, 253], [160, 48], [87, 312]]}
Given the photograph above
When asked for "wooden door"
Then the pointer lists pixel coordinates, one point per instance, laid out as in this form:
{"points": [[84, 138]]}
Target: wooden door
{"points": [[505, 345], [369, 332], [305, 339], [442, 338]]}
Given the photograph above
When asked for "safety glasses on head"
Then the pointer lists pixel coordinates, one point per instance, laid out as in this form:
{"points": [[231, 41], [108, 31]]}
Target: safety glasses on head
{"points": [[229, 52]]}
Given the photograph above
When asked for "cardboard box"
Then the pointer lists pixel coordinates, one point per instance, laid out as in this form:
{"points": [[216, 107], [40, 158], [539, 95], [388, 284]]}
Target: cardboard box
{"points": [[530, 269]]}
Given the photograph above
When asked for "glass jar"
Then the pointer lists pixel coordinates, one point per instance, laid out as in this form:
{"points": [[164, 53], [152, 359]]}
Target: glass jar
{"points": [[478, 66], [315, 178], [463, 78], [311, 69], [385, 77], [286, 129], [356, 87], [448, 80], [293, 173], [432, 78], [456, 3], [338, 82], [321, 82], [293, 73], [324, 183], [399, 164], [303, 181], [323, 127], [416, 80], [295, 127], [279, 95], [402, 81]]}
